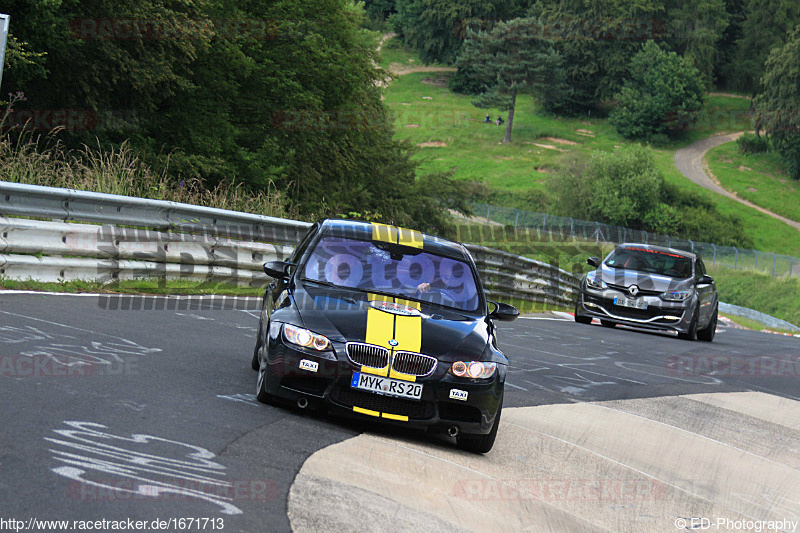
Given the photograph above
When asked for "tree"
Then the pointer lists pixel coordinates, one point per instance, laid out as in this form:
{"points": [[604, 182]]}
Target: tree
{"points": [[513, 59], [767, 24], [777, 105], [436, 29], [697, 26], [661, 96], [597, 41], [266, 94], [726, 46]]}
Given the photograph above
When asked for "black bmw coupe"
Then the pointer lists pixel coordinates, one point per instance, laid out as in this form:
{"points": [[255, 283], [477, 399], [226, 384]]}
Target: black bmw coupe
{"points": [[650, 287], [386, 324]]}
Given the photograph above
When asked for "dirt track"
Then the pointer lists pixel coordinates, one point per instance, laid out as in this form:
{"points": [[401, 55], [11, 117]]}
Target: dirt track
{"points": [[689, 161]]}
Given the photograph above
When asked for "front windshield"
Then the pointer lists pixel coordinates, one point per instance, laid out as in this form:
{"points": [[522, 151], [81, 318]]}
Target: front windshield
{"points": [[652, 261], [392, 269]]}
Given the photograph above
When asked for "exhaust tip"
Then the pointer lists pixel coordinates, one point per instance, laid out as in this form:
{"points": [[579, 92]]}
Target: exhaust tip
{"points": [[302, 403], [453, 431]]}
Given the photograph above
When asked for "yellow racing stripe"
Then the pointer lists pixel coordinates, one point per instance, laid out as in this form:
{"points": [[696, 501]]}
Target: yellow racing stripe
{"points": [[375, 371], [384, 233], [409, 237], [366, 411]]}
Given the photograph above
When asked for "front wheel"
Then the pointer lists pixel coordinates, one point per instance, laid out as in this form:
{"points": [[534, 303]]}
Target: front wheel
{"points": [[691, 334], [579, 318], [707, 333], [261, 385], [481, 443]]}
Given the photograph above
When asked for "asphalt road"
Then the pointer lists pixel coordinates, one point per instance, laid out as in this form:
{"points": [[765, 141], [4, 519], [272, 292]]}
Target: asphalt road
{"points": [[150, 414]]}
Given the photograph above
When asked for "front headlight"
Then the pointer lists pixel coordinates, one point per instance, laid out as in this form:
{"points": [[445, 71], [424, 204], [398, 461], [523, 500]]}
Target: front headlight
{"points": [[675, 296], [594, 283], [305, 338], [473, 369]]}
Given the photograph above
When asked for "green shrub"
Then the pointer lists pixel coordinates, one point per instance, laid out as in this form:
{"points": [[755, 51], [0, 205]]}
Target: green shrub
{"points": [[750, 143]]}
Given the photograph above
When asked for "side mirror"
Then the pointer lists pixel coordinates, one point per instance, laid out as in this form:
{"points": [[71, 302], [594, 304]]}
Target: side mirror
{"points": [[504, 312], [277, 269], [593, 261], [705, 280]]}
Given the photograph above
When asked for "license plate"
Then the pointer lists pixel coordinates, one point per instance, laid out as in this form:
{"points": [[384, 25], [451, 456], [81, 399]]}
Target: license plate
{"points": [[387, 386], [627, 302]]}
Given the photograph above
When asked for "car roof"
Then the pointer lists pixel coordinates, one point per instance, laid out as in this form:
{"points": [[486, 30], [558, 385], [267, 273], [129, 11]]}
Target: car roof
{"points": [[374, 231], [659, 249]]}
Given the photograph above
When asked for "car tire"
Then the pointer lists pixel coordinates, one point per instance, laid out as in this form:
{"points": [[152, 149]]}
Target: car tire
{"points": [[580, 319], [481, 443], [607, 323], [254, 362], [707, 333], [261, 385], [691, 334]]}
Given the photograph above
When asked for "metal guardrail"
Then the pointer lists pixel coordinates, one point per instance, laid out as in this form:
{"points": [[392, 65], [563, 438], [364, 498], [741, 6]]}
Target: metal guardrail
{"points": [[770, 321], [198, 245], [513, 278], [181, 241], [68, 204], [54, 251]]}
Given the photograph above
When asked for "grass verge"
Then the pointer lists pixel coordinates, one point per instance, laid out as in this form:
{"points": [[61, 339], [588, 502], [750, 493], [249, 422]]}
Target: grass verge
{"points": [[138, 286], [758, 178]]}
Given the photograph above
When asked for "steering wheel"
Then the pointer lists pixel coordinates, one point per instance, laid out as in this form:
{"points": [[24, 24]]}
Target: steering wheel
{"points": [[446, 296]]}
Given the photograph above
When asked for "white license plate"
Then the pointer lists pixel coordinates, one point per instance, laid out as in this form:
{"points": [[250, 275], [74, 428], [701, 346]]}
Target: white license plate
{"points": [[627, 302], [387, 386]]}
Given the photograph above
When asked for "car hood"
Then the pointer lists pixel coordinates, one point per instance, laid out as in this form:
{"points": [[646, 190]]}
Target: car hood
{"points": [[346, 315], [644, 280]]}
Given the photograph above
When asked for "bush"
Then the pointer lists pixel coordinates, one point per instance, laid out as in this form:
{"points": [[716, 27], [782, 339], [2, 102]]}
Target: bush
{"points": [[662, 95], [752, 144], [618, 187]]}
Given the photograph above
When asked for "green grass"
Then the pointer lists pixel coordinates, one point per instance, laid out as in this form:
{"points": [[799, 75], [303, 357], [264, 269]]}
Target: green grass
{"points": [[517, 170], [768, 234], [759, 178], [777, 297], [138, 286]]}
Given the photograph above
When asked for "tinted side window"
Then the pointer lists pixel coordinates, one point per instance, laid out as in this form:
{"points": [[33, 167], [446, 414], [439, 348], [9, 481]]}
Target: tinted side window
{"points": [[699, 269]]}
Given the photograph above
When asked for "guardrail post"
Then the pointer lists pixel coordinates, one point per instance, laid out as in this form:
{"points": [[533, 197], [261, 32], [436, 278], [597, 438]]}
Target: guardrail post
{"points": [[714, 261], [691, 243], [645, 236], [571, 222], [774, 260], [487, 213], [755, 267], [516, 219], [735, 257], [544, 221], [791, 264]]}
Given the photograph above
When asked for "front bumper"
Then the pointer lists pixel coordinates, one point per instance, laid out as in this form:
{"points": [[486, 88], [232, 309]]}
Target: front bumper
{"points": [[329, 387], [661, 315]]}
